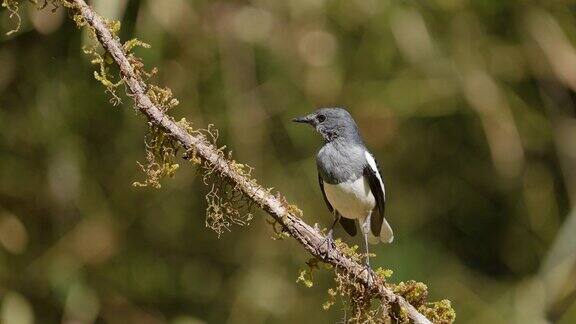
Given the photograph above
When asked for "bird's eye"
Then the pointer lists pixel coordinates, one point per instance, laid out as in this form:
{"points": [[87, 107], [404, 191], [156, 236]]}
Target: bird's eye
{"points": [[321, 118]]}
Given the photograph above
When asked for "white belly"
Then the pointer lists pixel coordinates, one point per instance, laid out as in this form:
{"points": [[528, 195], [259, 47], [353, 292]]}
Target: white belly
{"points": [[352, 199]]}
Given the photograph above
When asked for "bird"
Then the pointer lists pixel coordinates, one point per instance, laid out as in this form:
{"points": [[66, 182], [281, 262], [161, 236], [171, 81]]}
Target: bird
{"points": [[349, 178]]}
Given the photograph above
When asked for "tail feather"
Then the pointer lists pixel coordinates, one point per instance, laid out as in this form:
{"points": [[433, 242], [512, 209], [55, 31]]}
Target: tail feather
{"points": [[386, 233]]}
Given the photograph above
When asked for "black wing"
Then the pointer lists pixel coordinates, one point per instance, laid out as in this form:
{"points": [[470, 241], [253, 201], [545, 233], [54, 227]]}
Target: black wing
{"points": [[377, 188], [348, 224]]}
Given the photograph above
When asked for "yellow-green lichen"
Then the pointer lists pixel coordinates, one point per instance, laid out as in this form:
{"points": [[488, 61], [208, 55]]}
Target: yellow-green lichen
{"points": [[332, 293], [384, 273], [306, 275], [113, 80], [105, 62], [223, 210], [227, 203], [363, 305], [440, 312], [416, 293], [349, 251], [161, 152], [161, 148]]}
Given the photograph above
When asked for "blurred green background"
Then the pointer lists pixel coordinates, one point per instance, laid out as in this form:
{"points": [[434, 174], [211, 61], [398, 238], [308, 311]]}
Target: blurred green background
{"points": [[468, 105]]}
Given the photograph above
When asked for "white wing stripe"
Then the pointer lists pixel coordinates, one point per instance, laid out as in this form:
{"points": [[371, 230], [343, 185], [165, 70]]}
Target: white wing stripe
{"points": [[374, 167]]}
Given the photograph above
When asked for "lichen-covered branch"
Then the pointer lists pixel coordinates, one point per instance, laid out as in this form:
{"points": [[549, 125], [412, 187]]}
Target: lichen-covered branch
{"points": [[203, 149]]}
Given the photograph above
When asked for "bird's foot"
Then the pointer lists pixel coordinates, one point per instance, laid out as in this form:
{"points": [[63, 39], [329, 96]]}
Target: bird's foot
{"points": [[369, 278], [329, 241]]}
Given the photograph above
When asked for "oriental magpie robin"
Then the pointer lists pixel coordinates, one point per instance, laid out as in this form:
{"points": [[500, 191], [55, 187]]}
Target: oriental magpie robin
{"points": [[349, 177]]}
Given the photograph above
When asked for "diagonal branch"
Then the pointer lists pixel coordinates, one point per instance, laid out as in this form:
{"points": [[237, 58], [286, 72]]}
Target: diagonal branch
{"points": [[275, 206]]}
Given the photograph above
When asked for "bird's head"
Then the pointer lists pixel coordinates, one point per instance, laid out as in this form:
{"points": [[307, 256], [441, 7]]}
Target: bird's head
{"points": [[331, 123]]}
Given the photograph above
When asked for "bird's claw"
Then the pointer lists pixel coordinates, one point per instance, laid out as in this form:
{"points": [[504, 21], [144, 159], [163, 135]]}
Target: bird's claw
{"points": [[368, 269], [369, 278], [329, 241]]}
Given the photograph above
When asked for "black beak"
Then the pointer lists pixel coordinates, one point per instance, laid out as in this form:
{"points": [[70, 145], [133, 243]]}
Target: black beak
{"points": [[305, 119]]}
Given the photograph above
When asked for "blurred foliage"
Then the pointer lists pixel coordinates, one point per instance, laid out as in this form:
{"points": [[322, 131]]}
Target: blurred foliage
{"points": [[468, 105]]}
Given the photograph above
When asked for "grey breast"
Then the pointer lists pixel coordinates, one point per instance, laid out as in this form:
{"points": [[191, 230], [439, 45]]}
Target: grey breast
{"points": [[339, 161]]}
